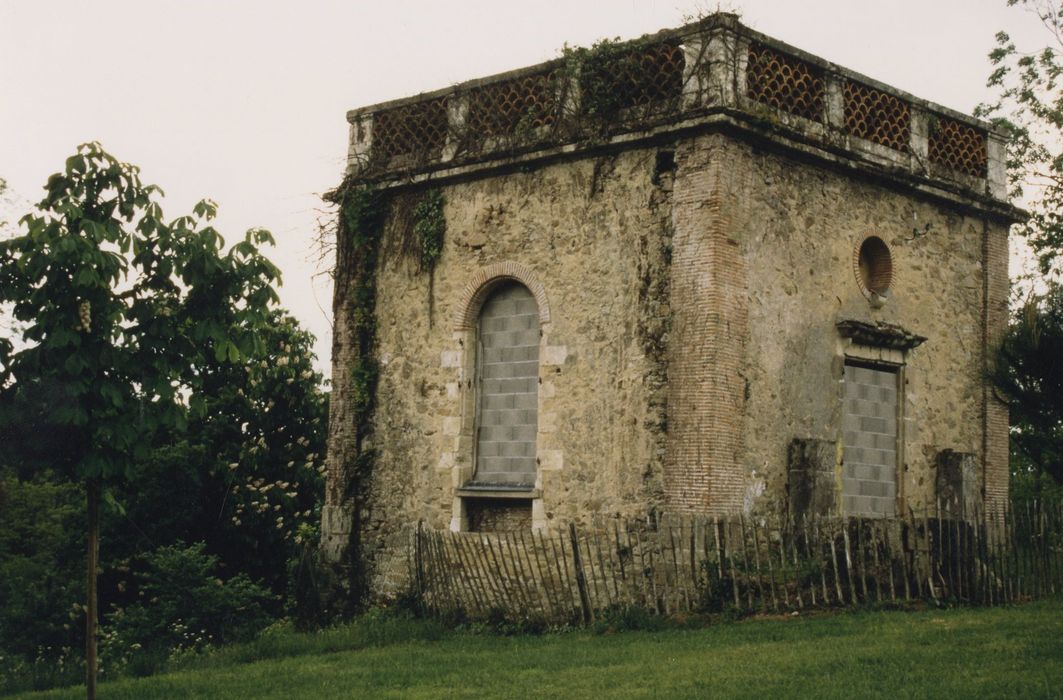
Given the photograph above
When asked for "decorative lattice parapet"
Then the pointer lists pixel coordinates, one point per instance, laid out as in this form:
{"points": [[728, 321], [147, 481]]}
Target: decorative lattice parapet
{"points": [[958, 146], [784, 82], [715, 73], [877, 116], [525, 102]]}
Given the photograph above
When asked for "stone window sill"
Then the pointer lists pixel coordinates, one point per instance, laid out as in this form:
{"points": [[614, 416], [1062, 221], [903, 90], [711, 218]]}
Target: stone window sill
{"points": [[498, 491]]}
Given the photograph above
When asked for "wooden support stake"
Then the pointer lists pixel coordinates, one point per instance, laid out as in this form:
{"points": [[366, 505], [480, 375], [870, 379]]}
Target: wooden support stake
{"points": [[637, 575], [620, 563], [649, 588], [932, 544], [418, 577], [587, 552], [496, 594], [948, 547], [573, 590], [457, 576], [693, 559], [963, 558], [659, 602], [989, 556], [767, 556], [853, 598], [676, 582], [530, 552], [433, 584], [469, 575], [610, 557], [939, 551], [477, 603], [873, 531], [906, 539], [719, 551], [1014, 575], [887, 555], [797, 570], [837, 575], [447, 571], [534, 577], [729, 551], [782, 561], [442, 590], [581, 581], [547, 578], [504, 580], [608, 575], [861, 563], [981, 561], [517, 568], [1003, 556], [745, 565]]}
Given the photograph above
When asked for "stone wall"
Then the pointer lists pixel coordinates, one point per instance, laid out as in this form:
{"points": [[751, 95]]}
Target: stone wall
{"points": [[593, 234], [799, 227], [688, 295]]}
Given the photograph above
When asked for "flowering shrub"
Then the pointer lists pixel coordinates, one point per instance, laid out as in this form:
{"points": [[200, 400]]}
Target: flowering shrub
{"points": [[184, 606], [276, 473]]}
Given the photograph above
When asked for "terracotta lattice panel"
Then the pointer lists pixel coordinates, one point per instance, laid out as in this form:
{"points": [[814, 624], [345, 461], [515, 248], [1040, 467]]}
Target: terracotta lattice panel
{"points": [[877, 116], [646, 75], [784, 82], [419, 128], [528, 102], [958, 146]]}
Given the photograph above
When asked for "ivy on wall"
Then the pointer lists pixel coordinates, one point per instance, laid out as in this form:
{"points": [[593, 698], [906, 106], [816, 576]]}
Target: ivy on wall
{"points": [[362, 211], [429, 226]]}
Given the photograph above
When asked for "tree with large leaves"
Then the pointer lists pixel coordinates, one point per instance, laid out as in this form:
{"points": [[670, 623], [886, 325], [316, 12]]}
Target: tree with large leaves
{"points": [[1028, 106], [1031, 375], [252, 479], [121, 310]]}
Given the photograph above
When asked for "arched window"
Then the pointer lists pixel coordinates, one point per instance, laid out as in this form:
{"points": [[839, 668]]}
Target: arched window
{"points": [[507, 372]]}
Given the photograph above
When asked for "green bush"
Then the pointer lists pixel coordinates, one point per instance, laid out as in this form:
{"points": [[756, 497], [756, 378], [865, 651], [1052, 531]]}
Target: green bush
{"points": [[41, 566], [184, 606]]}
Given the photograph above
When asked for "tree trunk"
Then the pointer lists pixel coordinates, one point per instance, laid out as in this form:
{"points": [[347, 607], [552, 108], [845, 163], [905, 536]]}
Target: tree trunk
{"points": [[93, 494]]}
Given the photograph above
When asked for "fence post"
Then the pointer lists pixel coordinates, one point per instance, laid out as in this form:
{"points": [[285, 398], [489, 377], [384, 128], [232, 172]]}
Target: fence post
{"points": [[417, 562], [581, 580]]}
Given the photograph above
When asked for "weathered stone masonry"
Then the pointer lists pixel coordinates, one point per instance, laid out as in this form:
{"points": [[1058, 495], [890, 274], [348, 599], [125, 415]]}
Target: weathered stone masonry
{"points": [[735, 278]]}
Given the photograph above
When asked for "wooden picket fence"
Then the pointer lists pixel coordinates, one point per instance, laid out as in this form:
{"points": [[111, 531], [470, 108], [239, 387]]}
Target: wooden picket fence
{"points": [[751, 564]]}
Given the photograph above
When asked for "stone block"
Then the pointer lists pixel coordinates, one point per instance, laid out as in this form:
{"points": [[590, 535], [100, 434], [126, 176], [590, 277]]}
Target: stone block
{"points": [[551, 460], [554, 355]]}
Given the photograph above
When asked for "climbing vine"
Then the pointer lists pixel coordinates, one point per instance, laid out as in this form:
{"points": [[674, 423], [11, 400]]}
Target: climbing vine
{"points": [[608, 74], [362, 210], [586, 95], [429, 226]]}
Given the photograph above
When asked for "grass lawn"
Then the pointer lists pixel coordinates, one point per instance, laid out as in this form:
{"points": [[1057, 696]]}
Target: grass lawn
{"points": [[976, 653]]}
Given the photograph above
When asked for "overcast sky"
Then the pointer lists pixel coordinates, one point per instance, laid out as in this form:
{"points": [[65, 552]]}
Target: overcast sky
{"points": [[244, 102]]}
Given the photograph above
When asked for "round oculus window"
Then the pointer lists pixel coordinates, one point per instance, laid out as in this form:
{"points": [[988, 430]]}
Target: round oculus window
{"points": [[874, 268]]}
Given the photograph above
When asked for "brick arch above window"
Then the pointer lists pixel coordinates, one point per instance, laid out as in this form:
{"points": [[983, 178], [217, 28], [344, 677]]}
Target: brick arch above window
{"points": [[485, 280]]}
